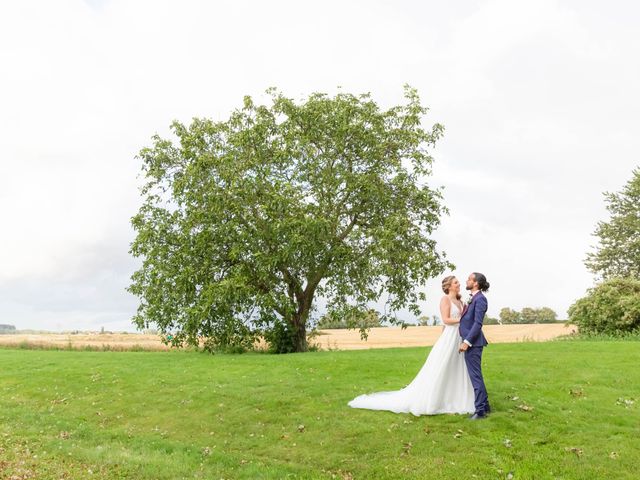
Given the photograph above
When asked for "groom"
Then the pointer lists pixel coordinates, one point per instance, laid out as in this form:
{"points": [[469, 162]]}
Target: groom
{"points": [[474, 341]]}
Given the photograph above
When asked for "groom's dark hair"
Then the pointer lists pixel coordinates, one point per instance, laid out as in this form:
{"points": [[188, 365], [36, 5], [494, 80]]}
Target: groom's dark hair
{"points": [[483, 285]]}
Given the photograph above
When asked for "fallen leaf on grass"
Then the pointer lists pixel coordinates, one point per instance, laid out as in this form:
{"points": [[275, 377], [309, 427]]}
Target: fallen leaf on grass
{"points": [[342, 475], [576, 392], [406, 448], [613, 455], [507, 443], [576, 450], [525, 408], [301, 428]]}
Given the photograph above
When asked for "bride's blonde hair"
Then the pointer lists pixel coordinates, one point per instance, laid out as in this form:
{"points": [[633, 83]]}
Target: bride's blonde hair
{"points": [[446, 285]]}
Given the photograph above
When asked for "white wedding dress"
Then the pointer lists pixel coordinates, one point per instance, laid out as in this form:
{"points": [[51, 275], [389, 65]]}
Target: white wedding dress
{"points": [[441, 386]]}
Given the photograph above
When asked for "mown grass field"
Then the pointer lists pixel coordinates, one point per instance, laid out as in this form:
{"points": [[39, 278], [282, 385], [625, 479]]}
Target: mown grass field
{"points": [[563, 410]]}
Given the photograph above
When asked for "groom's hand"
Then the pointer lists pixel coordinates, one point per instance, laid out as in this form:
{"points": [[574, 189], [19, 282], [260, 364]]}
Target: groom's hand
{"points": [[463, 347]]}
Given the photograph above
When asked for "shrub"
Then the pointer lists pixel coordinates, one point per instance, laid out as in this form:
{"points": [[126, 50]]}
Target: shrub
{"points": [[281, 338], [612, 307]]}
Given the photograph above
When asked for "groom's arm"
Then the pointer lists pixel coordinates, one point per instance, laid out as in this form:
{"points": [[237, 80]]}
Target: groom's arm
{"points": [[478, 316]]}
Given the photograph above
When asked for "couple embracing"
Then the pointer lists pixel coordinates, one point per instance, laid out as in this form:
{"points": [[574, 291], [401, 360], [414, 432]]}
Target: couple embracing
{"points": [[450, 380]]}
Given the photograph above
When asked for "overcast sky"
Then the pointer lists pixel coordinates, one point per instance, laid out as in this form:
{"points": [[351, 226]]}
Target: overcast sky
{"points": [[539, 99]]}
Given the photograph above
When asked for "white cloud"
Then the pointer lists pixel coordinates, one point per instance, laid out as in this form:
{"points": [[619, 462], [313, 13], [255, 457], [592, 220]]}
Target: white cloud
{"points": [[539, 100]]}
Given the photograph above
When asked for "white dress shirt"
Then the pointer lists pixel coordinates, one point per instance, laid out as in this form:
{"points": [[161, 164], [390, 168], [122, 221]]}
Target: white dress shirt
{"points": [[465, 340]]}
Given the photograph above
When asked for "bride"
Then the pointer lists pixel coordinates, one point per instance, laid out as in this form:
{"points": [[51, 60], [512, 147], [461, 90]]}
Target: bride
{"points": [[443, 384]]}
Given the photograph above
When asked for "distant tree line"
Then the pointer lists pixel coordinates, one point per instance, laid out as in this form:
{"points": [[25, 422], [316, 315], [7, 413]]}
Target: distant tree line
{"points": [[528, 315], [4, 328], [506, 316]]}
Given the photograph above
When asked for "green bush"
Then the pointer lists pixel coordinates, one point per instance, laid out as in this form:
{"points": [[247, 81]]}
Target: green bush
{"points": [[612, 307], [232, 336], [281, 338]]}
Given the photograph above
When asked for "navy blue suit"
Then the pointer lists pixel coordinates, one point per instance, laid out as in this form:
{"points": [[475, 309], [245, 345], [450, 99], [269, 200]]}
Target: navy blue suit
{"points": [[471, 331]]}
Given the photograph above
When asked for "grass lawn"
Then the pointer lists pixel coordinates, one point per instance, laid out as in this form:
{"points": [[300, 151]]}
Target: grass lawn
{"points": [[561, 410]]}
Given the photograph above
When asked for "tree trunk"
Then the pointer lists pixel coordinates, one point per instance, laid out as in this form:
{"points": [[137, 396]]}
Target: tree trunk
{"points": [[300, 318], [300, 336], [300, 325]]}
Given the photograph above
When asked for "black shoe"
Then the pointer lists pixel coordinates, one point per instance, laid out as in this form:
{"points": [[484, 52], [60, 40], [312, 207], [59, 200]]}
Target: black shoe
{"points": [[478, 416]]}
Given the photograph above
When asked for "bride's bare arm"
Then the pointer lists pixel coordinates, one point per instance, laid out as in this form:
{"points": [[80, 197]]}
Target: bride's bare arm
{"points": [[445, 312]]}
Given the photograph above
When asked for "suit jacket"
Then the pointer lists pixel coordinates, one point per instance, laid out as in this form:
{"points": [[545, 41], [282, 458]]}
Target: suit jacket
{"points": [[471, 321]]}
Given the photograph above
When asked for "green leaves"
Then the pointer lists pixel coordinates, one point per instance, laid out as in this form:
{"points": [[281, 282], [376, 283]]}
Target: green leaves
{"points": [[618, 252], [245, 222], [612, 307]]}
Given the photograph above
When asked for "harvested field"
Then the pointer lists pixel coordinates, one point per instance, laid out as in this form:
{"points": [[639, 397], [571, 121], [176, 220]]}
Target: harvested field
{"points": [[425, 336], [96, 341], [328, 339]]}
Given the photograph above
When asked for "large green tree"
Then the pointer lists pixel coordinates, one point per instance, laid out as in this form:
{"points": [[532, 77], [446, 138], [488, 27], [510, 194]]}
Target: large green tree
{"points": [[618, 251], [245, 222]]}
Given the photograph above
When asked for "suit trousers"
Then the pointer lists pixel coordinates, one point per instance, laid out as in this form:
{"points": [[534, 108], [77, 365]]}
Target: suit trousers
{"points": [[473, 359]]}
